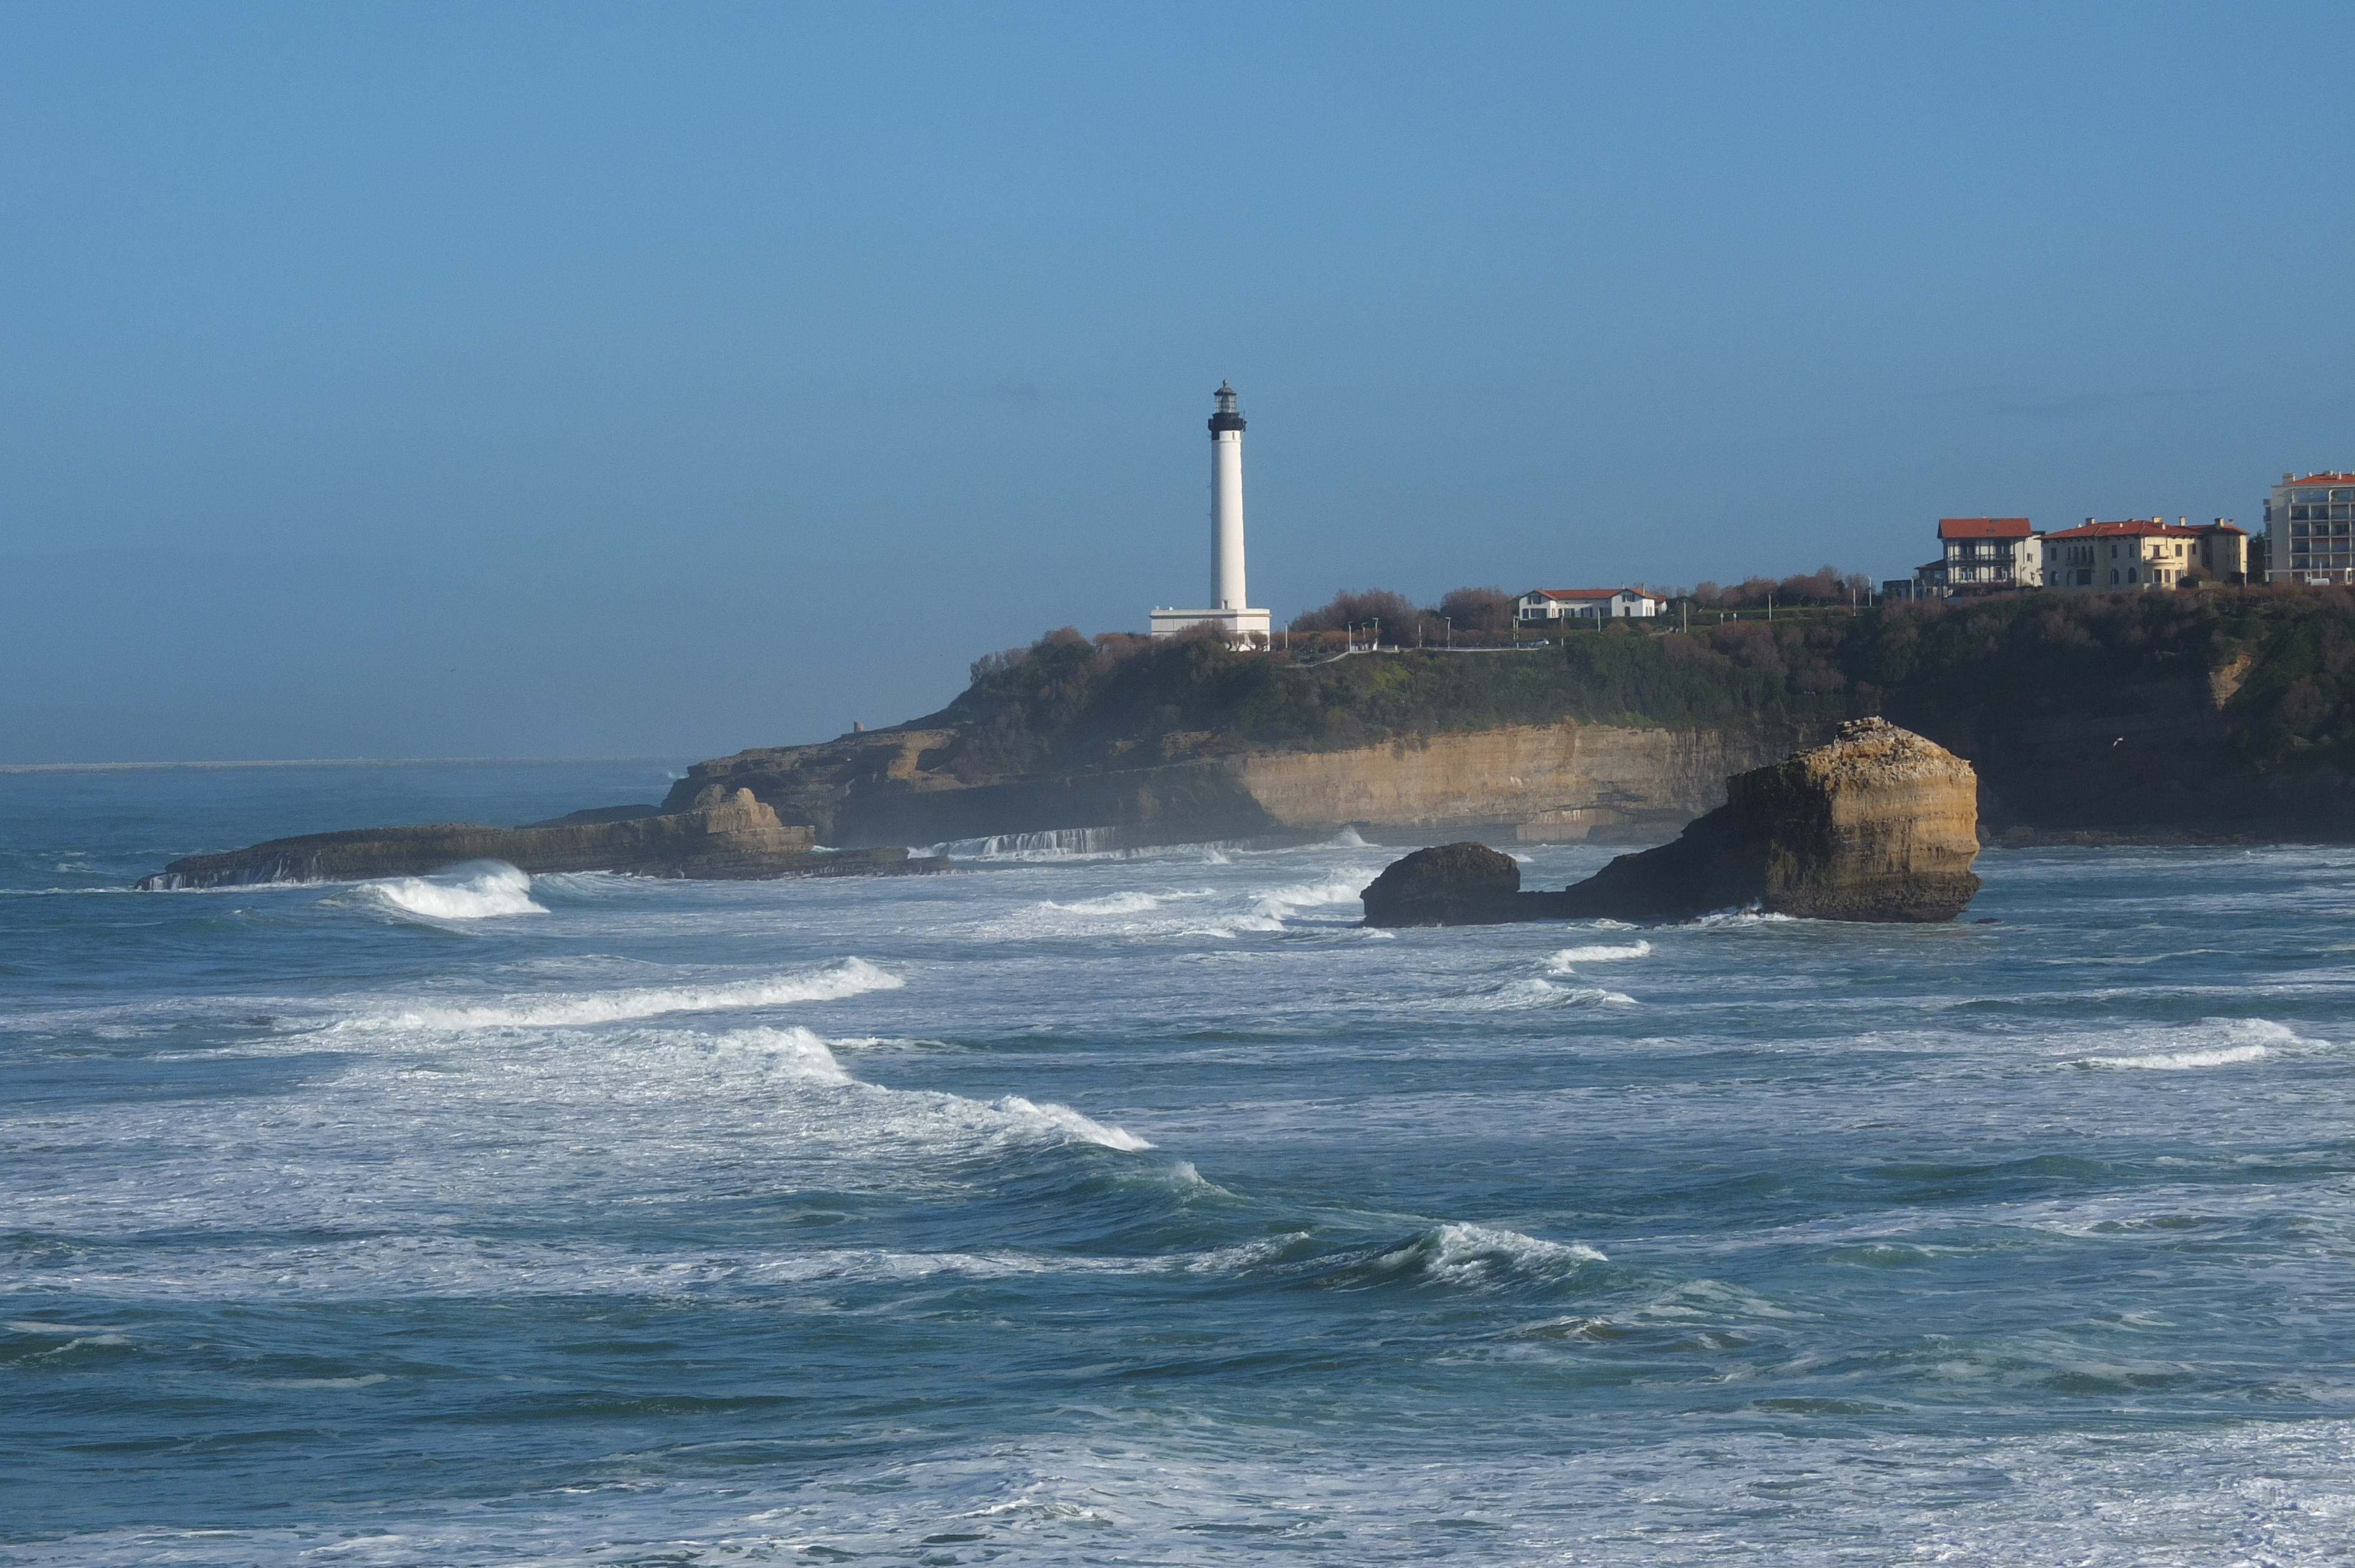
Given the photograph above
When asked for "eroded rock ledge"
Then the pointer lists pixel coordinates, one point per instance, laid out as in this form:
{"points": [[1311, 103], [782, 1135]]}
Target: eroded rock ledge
{"points": [[1880, 825], [725, 835]]}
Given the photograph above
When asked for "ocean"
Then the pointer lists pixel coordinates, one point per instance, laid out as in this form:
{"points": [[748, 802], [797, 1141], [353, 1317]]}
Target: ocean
{"points": [[1146, 1209]]}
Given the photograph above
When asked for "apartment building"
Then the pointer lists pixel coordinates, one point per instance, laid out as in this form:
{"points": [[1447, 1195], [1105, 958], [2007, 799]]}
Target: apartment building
{"points": [[2308, 529]]}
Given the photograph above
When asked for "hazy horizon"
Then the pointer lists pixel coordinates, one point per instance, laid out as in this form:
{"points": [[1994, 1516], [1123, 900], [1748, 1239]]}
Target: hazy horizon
{"points": [[595, 381]]}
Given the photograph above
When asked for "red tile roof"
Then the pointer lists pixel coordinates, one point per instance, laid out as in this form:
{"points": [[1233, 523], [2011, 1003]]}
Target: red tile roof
{"points": [[1984, 528], [2323, 478], [2133, 527]]}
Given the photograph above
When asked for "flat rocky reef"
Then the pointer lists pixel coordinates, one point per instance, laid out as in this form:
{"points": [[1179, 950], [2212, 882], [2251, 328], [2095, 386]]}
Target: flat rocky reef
{"points": [[724, 836]]}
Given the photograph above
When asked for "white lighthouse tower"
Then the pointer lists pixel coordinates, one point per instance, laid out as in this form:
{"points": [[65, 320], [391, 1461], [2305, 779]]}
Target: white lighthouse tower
{"points": [[1230, 599]]}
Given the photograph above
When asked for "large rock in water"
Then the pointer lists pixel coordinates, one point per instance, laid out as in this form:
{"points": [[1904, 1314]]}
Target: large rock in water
{"points": [[1879, 824], [727, 836], [1463, 884]]}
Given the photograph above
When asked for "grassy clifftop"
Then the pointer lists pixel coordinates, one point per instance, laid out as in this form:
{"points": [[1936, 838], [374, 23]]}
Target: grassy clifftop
{"points": [[2198, 692]]}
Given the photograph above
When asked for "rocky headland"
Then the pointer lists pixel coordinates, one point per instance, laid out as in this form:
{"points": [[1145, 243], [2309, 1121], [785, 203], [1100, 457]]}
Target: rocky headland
{"points": [[2214, 716], [2222, 714], [722, 835], [1879, 824]]}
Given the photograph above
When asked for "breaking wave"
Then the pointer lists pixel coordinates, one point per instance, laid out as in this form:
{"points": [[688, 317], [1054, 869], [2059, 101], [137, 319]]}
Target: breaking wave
{"points": [[1284, 903], [478, 890], [1604, 954], [851, 977], [1464, 1257], [1053, 1117], [1532, 992]]}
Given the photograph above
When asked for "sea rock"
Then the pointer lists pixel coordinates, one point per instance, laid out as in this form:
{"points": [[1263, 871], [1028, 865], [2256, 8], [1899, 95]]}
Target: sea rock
{"points": [[1879, 824], [730, 835], [1462, 884]]}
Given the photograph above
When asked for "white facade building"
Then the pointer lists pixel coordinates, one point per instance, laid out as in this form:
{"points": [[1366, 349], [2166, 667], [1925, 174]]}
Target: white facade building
{"points": [[1230, 599], [1985, 554], [2137, 553], [2310, 529], [1541, 604]]}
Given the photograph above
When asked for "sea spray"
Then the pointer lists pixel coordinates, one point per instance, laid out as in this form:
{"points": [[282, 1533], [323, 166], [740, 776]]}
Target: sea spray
{"points": [[477, 890]]}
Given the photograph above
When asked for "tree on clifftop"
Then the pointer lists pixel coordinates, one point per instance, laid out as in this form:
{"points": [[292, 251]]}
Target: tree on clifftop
{"points": [[1395, 611], [1478, 609]]}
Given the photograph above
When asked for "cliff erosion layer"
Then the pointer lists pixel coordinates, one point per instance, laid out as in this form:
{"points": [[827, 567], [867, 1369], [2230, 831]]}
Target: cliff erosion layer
{"points": [[1540, 783], [721, 835]]}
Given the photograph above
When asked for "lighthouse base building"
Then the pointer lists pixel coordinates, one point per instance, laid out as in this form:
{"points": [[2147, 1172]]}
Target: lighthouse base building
{"points": [[1228, 611], [1233, 622]]}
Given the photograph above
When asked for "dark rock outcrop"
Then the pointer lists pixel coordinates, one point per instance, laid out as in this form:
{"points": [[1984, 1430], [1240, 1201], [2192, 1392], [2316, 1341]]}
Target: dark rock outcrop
{"points": [[725, 836], [1462, 884], [1879, 824]]}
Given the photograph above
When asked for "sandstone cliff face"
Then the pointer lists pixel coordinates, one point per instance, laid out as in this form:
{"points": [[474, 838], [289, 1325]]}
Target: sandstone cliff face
{"points": [[1879, 824], [1535, 783], [729, 835]]}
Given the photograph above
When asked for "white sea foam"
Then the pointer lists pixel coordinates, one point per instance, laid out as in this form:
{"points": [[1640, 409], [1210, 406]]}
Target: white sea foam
{"points": [[2174, 1061], [849, 977], [1514, 995], [478, 890], [1601, 954], [1348, 838], [1114, 904], [2234, 1040], [1063, 1119], [1284, 903]]}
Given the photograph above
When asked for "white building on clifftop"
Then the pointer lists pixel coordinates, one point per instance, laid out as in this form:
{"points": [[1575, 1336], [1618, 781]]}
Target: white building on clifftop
{"points": [[1229, 598]]}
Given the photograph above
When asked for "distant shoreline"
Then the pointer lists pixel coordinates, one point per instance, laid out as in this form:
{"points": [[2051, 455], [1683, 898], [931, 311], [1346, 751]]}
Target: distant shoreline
{"points": [[317, 762]]}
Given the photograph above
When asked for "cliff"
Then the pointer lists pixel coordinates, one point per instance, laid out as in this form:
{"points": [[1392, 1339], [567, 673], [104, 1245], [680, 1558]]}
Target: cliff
{"points": [[2215, 715], [1534, 783], [724, 836]]}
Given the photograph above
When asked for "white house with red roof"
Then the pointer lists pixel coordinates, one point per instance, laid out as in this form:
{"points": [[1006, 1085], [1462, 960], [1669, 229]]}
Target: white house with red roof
{"points": [[2142, 553], [1985, 554], [2307, 528], [1541, 604]]}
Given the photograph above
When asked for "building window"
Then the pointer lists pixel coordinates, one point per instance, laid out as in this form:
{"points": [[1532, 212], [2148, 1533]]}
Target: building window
{"points": [[2113, 576]]}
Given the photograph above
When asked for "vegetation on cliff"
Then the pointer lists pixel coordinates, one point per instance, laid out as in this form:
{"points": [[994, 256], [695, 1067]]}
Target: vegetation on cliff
{"points": [[2275, 666]]}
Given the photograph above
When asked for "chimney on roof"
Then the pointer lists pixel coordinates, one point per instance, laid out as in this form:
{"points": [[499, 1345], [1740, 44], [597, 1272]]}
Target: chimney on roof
{"points": [[2089, 522], [2285, 479]]}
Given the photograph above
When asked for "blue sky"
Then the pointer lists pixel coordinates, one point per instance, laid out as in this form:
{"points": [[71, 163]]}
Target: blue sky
{"points": [[578, 380]]}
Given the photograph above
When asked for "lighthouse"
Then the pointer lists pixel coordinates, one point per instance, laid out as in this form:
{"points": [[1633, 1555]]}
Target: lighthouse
{"points": [[1230, 599]]}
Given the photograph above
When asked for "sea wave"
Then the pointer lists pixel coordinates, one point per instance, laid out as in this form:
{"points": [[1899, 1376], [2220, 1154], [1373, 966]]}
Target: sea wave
{"points": [[1055, 1119], [848, 977], [2226, 1041], [1280, 903], [1514, 995], [1603, 953], [478, 890], [1464, 1256]]}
